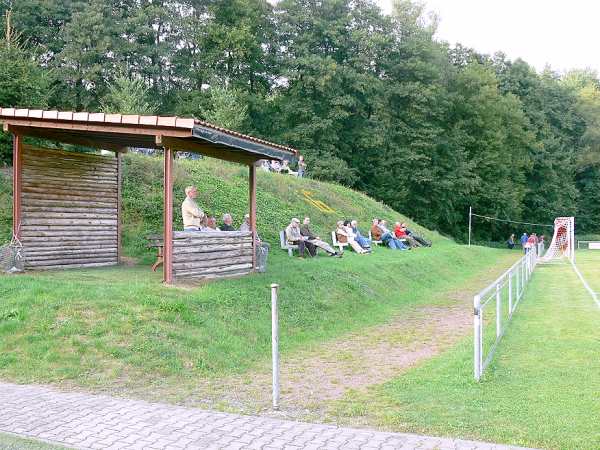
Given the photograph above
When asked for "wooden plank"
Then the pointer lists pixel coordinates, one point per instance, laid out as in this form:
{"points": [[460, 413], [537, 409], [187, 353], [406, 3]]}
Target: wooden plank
{"points": [[195, 257], [70, 215], [213, 248], [64, 169], [35, 200], [75, 266], [51, 160], [212, 234], [193, 279], [71, 177], [32, 258], [213, 270], [68, 260], [40, 221], [79, 186], [34, 150], [67, 190], [38, 248], [58, 210], [77, 198], [67, 229], [59, 242], [66, 235], [17, 184], [69, 251]]}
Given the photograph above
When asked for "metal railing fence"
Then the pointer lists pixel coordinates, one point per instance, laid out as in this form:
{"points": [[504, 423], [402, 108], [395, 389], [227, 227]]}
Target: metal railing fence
{"points": [[505, 294]]}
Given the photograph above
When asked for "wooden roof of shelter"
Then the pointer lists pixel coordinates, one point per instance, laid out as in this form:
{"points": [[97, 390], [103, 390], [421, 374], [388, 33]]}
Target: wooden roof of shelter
{"points": [[120, 131]]}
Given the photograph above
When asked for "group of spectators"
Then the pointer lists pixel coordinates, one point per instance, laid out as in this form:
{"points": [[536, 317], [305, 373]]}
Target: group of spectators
{"points": [[527, 241], [284, 167], [347, 232]]}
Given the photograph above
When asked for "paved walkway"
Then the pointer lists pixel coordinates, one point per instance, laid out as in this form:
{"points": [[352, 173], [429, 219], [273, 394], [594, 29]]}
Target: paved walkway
{"points": [[87, 421]]}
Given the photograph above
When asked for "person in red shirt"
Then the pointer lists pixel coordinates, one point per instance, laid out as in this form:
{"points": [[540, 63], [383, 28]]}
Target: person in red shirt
{"points": [[401, 233]]}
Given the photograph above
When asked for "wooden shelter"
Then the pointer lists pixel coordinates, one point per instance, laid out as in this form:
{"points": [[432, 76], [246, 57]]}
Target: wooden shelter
{"points": [[66, 208]]}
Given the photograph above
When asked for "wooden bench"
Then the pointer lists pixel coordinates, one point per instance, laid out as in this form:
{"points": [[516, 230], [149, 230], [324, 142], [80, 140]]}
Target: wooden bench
{"points": [[285, 245], [156, 241], [336, 243]]}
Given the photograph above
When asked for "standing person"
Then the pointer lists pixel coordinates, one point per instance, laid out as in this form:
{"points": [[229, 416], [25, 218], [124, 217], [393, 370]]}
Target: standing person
{"points": [[316, 240], [524, 239], [294, 237], [511, 242], [227, 223], [531, 242], [191, 213], [301, 166]]}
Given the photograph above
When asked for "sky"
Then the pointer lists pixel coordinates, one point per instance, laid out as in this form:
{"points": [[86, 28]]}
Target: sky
{"points": [[563, 34]]}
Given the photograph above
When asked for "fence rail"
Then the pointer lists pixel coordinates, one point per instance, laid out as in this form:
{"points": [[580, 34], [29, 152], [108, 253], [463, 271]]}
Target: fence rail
{"points": [[505, 293]]}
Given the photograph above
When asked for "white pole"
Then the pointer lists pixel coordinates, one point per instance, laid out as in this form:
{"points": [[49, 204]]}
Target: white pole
{"points": [[477, 344], [498, 311], [470, 221], [510, 294], [275, 344]]}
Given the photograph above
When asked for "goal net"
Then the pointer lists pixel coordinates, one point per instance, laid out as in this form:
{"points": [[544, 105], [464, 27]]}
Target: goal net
{"points": [[563, 240]]}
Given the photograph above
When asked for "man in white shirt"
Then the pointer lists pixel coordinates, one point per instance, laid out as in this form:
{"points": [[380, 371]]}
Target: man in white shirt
{"points": [[190, 211]]}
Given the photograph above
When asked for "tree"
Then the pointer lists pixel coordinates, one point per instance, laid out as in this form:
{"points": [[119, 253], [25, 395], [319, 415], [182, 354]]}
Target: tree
{"points": [[22, 84], [126, 96]]}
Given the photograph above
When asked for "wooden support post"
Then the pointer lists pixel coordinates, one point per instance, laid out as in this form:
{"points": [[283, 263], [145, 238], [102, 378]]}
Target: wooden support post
{"points": [[168, 216], [252, 202], [17, 183], [119, 209]]}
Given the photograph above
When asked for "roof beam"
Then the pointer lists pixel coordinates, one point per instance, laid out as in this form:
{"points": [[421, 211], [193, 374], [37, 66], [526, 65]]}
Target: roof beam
{"points": [[184, 145], [65, 138]]}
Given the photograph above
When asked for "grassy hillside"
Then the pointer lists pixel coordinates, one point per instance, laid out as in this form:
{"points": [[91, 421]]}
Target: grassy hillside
{"points": [[223, 187]]}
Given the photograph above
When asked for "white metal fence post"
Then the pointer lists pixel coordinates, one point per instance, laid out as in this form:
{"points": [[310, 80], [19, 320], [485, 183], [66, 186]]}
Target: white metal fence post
{"points": [[478, 344], [498, 311], [510, 293], [275, 344], [470, 222], [518, 292]]}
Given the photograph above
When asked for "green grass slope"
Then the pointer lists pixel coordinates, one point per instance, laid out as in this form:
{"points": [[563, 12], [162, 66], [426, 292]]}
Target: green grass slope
{"points": [[98, 326], [223, 187]]}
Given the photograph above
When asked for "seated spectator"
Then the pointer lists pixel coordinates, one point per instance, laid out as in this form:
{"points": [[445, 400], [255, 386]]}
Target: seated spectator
{"points": [[285, 168], [275, 166], [388, 238], [316, 240], [191, 214], [294, 237], [211, 224], [376, 231], [362, 241], [421, 240], [401, 233], [245, 226], [345, 235], [262, 248], [227, 223], [511, 242], [265, 166]]}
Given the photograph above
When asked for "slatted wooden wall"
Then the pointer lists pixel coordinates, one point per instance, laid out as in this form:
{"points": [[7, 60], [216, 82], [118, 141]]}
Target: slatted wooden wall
{"points": [[70, 209], [199, 255]]}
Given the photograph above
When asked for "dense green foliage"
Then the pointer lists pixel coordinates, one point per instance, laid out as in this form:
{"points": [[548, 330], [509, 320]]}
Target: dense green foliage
{"points": [[373, 101]]}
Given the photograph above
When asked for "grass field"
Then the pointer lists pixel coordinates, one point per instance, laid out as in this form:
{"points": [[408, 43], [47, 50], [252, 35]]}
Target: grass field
{"points": [[9, 442], [541, 390], [113, 326]]}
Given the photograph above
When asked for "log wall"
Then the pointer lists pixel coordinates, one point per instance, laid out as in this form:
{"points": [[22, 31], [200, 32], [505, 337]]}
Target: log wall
{"points": [[70, 209], [198, 256]]}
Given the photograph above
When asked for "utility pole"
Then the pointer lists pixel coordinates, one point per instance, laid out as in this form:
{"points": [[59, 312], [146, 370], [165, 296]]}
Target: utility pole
{"points": [[8, 28]]}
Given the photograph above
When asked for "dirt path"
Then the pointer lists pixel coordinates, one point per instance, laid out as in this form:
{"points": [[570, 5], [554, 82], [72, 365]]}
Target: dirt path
{"points": [[322, 374]]}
